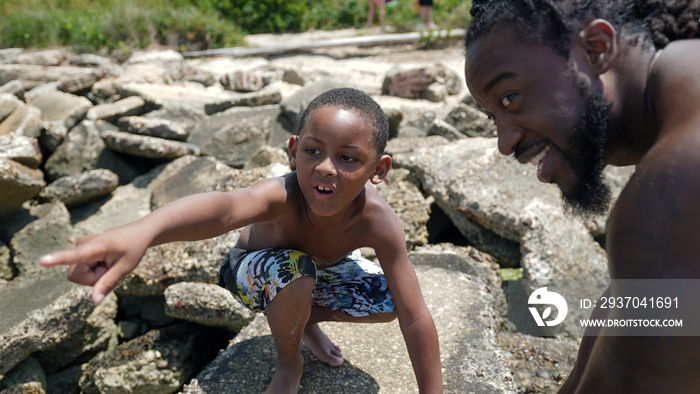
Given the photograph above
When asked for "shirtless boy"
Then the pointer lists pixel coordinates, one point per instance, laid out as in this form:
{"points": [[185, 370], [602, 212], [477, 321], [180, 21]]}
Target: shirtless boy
{"points": [[576, 85], [294, 259]]}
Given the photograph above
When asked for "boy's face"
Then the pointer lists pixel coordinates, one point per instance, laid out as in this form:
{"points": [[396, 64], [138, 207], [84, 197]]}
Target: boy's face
{"points": [[334, 158], [545, 113]]}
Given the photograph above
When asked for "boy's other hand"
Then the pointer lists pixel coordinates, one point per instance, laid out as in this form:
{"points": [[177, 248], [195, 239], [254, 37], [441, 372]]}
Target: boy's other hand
{"points": [[100, 260]]}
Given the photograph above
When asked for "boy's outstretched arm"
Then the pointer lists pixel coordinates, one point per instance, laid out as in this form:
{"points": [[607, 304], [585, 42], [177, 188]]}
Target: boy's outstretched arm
{"points": [[415, 320], [102, 260]]}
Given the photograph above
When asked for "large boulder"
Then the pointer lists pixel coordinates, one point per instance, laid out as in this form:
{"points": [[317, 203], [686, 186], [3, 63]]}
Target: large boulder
{"points": [[18, 184]]}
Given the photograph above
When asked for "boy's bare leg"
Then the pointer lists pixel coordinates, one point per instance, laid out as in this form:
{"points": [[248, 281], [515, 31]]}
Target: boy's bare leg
{"points": [[319, 343], [287, 315]]}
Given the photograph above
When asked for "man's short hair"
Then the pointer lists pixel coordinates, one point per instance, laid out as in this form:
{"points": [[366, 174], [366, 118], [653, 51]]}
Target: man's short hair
{"points": [[358, 102]]}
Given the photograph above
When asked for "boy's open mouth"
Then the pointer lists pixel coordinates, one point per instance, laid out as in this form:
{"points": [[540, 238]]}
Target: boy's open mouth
{"points": [[322, 192]]}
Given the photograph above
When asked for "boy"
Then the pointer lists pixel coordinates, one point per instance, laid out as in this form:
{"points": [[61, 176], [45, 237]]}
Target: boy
{"points": [[293, 259]]}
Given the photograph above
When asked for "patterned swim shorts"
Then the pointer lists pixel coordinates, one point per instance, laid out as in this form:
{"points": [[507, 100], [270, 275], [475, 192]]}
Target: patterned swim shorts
{"points": [[354, 285]]}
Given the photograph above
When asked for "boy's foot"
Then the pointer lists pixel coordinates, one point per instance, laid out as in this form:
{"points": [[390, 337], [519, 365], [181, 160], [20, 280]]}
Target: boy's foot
{"points": [[287, 376], [321, 346]]}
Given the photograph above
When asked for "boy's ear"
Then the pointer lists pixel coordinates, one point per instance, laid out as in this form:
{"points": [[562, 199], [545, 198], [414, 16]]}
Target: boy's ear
{"points": [[382, 168], [292, 151], [599, 41]]}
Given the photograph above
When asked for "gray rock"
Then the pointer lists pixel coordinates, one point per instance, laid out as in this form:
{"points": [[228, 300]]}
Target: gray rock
{"points": [[375, 354], [52, 231], [81, 83], [15, 88], [167, 59], [50, 57], [64, 381], [442, 128], [88, 59], [85, 150], [38, 313], [8, 103], [434, 92], [470, 121], [182, 94], [18, 184], [259, 98], [33, 75], [98, 333], [160, 361], [233, 136], [7, 55], [110, 112], [24, 150], [404, 145], [404, 197], [154, 127], [193, 175], [6, 272], [247, 80], [82, 188], [60, 111], [206, 304], [149, 147], [25, 120], [172, 263], [265, 156], [27, 377], [294, 105]]}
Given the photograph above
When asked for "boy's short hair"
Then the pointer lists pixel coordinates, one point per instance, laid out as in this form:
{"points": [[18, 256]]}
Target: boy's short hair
{"points": [[356, 101]]}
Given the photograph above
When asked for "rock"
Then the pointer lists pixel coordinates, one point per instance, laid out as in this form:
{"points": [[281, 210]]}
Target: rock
{"points": [[25, 120], [61, 111], [375, 354], [168, 59], [442, 128], [266, 156], [233, 136], [470, 121], [23, 150], [194, 175], [19, 184], [52, 231], [412, 83], [153, 127], [247, 81], [404, 197], [98, 333], [34, 75], [79, 189], [172, 263], [6, 272], [293, 106], [27, 377], [8, 55], [110, 112], [88, 59], [259, 98], [160, 361], [85, 150], [15, 88], [38, 313], [65, 381], [8, 103], [50, 57], [434, 92], [79, 84], [190, 95], [206, 304], [149, 147]]}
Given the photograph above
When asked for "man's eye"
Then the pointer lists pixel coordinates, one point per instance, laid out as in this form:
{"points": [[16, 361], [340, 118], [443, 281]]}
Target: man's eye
{"points": [[348, 159], [507, 100]]}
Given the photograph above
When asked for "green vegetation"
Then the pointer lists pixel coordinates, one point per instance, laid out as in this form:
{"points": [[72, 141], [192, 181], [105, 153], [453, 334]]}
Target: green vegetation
{"points": [[89, 25], [511, 274]]}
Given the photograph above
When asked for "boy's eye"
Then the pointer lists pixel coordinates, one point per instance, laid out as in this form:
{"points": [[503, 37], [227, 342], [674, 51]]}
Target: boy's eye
{"points": [[312, 151], [348, 159], [507, 100]]}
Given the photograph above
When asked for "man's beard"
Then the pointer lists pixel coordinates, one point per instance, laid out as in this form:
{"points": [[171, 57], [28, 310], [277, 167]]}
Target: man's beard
{"points": [[589, 195]]}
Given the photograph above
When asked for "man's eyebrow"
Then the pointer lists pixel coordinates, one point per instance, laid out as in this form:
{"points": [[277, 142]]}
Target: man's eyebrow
{"points": [[500, 77]]}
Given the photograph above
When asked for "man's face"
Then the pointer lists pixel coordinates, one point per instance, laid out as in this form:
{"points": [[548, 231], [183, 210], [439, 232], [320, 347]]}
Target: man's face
{"points": [[545, 113]]}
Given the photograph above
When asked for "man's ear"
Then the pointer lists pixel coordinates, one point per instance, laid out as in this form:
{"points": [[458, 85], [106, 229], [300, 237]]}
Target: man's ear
{"points": [[599, 41], [382, 168], [292, 151]]}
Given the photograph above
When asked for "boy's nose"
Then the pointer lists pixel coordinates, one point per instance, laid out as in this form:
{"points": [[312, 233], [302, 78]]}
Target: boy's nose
{"points": [[326, 167]]}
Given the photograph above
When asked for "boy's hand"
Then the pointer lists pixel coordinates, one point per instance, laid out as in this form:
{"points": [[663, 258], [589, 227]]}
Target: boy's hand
{"points": [[100, 260]]}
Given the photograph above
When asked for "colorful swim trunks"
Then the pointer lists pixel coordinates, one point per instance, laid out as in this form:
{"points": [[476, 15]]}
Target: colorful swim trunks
{"points": [[354, 286]]}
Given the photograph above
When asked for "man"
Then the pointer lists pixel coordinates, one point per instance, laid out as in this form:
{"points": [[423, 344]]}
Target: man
{"points": [[574, 86]]}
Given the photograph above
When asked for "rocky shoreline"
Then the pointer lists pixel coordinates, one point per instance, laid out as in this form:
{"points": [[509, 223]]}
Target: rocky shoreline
{"points": [[87, 143]]}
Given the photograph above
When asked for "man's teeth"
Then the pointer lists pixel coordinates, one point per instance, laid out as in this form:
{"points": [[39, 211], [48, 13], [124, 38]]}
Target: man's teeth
{"points": [[323, 189], [536, 160]]}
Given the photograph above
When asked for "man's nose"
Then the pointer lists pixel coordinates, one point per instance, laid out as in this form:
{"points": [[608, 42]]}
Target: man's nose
{"points": [[326, 167], [508, 136]]}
